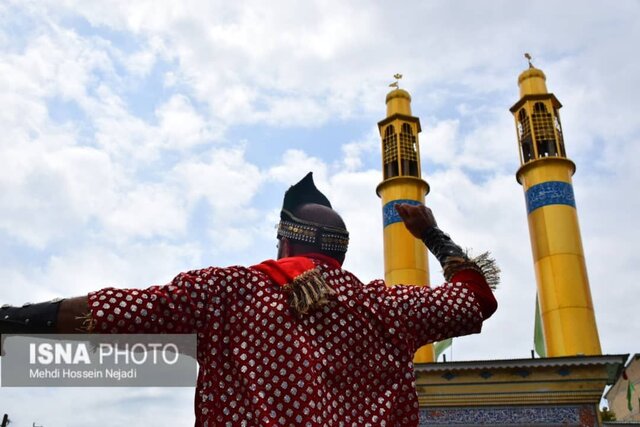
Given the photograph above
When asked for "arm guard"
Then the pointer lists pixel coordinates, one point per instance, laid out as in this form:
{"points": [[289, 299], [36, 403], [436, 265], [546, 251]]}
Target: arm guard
{"points": [[453, 259], [441, 246], [38, 318]]}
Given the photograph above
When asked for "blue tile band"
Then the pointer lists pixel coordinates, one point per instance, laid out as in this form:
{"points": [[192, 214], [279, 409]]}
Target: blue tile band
{"points": [[389, 213], [550, 193]]}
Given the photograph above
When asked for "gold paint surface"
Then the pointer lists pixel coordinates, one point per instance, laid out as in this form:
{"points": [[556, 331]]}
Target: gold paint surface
{"points": [[568, 319], [398, 102], [532, 82], [542, 385], [405, 257]]}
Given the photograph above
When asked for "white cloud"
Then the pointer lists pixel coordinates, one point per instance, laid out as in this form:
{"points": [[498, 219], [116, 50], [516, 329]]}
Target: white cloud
{"points": [[296, 164], [490, 146], [101, 180], [234, 104], [50, 192], [438, 142], [147, 210], [91, 266], [353, 196], [142, 61], [222, 176], [181, 126], [233, 239], [80, 406], [286, 111], [125, 137], [353, 152]]}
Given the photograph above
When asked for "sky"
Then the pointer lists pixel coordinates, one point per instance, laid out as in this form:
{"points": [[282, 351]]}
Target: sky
{"points": [[145, 138]]}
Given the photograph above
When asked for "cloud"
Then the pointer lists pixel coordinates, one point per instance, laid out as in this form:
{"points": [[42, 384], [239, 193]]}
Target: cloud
{"points": [[123, 162], [180, 125], [353, 196], [353, 152], [438, 142], [147, 210], [95, 265], [222, 176], [49, 192], [294, 165], [167, 407]]}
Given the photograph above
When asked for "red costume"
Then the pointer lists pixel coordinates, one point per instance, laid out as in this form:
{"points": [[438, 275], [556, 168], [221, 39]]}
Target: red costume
{"points": [[348, 362], [298, 341]]}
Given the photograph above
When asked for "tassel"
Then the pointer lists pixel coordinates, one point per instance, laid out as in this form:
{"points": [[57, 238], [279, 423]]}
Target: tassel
{"points": [[88, 323], [483, 264], [308, 291], [489, 269]]}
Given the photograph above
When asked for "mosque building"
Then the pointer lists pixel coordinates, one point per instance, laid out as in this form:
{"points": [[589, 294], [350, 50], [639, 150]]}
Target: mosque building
{"points": [[565, 385]]}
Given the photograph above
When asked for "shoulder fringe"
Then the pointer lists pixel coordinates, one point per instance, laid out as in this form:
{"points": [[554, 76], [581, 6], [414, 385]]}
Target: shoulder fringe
{"points": [[308, 291], [483, 264]]}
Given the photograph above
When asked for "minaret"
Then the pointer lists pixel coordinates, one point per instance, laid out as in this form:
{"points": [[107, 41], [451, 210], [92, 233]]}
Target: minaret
{"points": [[566, 308], [405, 257]]}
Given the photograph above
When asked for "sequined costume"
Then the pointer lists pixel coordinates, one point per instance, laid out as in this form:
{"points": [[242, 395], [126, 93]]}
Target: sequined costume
{"points": [[348, 362], [297, 341]]}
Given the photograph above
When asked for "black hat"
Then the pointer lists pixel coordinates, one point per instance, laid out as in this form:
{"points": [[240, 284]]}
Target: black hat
{"points": [[326, 238], [302, 193]]}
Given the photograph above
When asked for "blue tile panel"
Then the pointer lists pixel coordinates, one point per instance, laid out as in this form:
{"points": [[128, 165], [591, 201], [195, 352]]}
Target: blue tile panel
{"points": [[550, 193], [509, 416], [389, 214]]}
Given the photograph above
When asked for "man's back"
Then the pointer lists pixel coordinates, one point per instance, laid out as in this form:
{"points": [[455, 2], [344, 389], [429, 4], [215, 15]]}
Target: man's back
{"points": [[297, 341], [347, 362]]}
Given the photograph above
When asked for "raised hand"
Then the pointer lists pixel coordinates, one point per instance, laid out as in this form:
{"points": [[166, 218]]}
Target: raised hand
{"points": [[417, 219]]}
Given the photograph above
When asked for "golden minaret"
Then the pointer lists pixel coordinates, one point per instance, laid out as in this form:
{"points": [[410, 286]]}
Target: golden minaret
{"points": [[564, 297], [405, 257]]}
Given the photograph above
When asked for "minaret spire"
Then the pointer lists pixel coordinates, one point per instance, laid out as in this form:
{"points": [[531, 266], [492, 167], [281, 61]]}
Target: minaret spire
{"points": [[526, 55], [405, 257], [566, 309]]}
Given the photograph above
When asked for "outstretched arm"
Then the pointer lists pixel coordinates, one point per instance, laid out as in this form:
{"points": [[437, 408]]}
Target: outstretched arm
{"points": [[57, 316], [177, 307]]}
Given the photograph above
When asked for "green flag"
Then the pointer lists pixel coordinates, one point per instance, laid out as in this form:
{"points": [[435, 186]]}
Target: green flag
{"points": [[630, 389], [538, 335], [441, 346]]}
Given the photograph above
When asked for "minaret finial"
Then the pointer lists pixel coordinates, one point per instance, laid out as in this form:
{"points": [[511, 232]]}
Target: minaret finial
{"points": [[526, 55], [395, 84]]}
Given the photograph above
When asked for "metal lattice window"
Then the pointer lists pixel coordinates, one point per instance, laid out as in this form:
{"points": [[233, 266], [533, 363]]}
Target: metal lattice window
{"points": [[524, 135], [408, 151], [390, 152], [525, 127], [543, 129], [558, 126]]}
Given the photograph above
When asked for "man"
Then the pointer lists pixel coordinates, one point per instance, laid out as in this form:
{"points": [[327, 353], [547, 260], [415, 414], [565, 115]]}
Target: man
{"points": [[297, 341]]}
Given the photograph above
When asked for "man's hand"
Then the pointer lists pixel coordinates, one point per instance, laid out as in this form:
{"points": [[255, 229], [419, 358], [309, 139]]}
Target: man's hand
{"points": [[417, 219]]}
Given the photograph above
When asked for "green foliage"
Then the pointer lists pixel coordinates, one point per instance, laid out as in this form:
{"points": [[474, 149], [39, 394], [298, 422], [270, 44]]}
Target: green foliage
{"points": [[607, 415]]}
